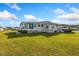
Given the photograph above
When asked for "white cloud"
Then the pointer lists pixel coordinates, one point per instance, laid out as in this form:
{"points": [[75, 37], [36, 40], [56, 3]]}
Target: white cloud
{"points": [[1, 22], [67, 18], [13, 22], [55, 20], [30, 17], [75, 10], [5, 15], [65, 21], [71, 16], [59, 11], [14, 6]]}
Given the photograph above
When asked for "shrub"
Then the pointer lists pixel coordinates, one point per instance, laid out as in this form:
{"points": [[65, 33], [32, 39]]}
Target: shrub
{"points": [[67, 30], [22, 31]]}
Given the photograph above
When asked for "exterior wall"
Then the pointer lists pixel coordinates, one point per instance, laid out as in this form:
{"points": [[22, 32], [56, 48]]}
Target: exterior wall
{"points": [[39, 29], [59, 29], [51, 27], [45, 28], [30, 30]]}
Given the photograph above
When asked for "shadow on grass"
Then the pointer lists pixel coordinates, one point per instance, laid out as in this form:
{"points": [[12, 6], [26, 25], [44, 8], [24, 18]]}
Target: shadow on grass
{"points": [[69, 32], [14, 35]]}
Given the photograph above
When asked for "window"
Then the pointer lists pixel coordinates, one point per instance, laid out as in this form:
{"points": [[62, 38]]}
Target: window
{"points": [[52, 27], [30, 26], [34, 25], [22, 25], [38, 25], [25, 24], [41, 25], [47, 26]]}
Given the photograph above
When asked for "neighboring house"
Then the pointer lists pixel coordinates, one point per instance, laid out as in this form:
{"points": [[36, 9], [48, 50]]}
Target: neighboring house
{"points": [[9, 28], [1, 28], [45, 26], [16, 28]]}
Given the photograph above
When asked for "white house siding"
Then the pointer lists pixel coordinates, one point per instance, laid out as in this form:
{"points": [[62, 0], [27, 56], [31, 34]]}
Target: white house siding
{"points": [[46, 29], [39, 29], [59, 29], [56, 27], [31, 30], [52, 28]]}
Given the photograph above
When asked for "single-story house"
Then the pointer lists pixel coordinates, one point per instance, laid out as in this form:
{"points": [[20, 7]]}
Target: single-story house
{"points": [[45, 26], [1, 28]]}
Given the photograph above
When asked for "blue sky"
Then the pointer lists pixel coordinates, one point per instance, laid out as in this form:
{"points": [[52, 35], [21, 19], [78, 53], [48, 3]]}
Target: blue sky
{"points": [[11, 14]]}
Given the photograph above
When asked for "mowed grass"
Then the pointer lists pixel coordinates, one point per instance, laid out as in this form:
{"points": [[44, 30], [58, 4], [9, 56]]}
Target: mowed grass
{"points": [[39, 44]]}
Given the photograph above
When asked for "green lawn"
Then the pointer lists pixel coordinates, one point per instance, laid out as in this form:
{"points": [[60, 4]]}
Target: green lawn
{"points": [[39, 44]]}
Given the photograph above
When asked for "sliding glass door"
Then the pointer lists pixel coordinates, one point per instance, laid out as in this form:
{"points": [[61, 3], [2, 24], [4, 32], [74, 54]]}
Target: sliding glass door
{"points": [[31, 26]]}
